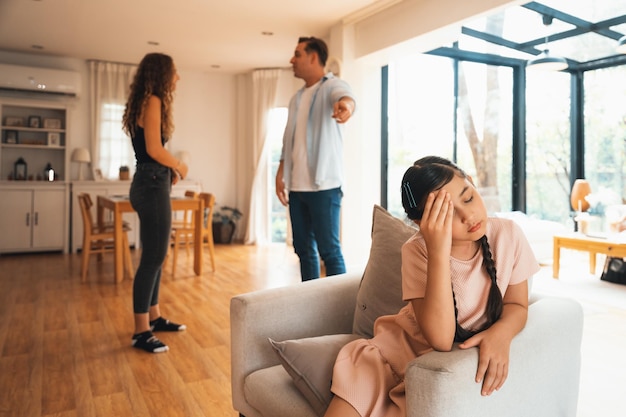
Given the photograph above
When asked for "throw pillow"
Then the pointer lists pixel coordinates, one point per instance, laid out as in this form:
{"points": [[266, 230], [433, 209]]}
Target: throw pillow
{"points": [[310, 363], [380, 292]]}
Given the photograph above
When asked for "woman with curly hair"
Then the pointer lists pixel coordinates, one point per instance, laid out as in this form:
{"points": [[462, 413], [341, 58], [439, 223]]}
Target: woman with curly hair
{"points": [[148, 121]]}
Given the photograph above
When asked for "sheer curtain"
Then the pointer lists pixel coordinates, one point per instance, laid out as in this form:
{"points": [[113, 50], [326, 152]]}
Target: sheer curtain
{"points": [[262, 97], [109, 85]]}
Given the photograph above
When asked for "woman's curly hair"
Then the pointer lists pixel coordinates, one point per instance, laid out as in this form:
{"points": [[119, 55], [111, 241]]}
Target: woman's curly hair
{"points": [[154, 77]]}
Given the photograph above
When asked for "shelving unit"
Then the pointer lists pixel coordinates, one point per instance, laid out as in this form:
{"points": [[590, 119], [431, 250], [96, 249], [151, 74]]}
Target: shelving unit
{"points": [[36, 132], [34, 212]]}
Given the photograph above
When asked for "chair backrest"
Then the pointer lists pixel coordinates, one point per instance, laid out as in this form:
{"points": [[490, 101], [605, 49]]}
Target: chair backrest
{"points": [[188, 215], [86, 203], [209, 203]]}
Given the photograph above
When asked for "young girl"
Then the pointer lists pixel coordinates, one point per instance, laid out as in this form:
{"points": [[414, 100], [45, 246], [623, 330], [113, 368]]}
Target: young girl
{"points": [[148, 121], [464, 276]]}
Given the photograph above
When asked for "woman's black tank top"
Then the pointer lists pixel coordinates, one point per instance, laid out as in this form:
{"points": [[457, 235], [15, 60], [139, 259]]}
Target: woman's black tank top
{"points": [[139, 145]]}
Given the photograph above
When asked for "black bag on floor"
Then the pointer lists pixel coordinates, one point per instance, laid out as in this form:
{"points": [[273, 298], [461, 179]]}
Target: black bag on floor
{"points": [[614, 270]]}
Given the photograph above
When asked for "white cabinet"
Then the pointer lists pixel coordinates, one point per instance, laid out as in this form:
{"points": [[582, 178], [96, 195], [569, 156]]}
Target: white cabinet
{"points": [[36, 132], [95, 188], [33, 218]]}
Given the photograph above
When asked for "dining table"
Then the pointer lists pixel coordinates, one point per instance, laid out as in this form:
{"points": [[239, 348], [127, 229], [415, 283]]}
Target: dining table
{"points": [[120, 204]]}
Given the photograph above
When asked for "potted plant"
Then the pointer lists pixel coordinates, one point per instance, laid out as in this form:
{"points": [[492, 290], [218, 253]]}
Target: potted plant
{"points": [[225, 224]]}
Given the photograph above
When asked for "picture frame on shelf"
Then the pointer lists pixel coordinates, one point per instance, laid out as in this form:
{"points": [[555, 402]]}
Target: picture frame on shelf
{"points": [[97, 174], [34, 122], [10, 137], [13, 121], [54, 139], [51, 123]]}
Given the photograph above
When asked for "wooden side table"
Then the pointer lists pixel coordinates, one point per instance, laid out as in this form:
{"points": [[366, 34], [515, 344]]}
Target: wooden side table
{"points": [[581, 242]]}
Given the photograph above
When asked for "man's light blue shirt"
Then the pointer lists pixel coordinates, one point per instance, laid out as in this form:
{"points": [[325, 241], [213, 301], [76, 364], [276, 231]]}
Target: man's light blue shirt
{"points": [[324, 142]]}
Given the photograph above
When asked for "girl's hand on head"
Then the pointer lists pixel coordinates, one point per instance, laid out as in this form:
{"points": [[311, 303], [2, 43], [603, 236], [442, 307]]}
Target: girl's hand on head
{"points": [[436, 222]]}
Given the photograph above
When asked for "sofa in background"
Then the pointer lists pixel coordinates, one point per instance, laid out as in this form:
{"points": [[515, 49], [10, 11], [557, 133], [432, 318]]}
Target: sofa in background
{"points": [[284, 341], [539, 233]]}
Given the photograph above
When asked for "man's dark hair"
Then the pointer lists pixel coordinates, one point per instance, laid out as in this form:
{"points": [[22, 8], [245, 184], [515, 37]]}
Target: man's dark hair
{"points": [[315, 45]]}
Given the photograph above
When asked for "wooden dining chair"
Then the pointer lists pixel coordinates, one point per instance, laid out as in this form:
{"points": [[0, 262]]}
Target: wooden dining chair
{"points": [[207, 225], [99, 238], [183, 232]]}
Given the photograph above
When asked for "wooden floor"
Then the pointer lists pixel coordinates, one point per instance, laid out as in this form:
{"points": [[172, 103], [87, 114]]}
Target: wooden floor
{"points": [[65, 346]]}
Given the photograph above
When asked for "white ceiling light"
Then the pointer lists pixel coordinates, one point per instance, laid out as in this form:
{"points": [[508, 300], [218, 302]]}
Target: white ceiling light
{"points": [[545, 61]]}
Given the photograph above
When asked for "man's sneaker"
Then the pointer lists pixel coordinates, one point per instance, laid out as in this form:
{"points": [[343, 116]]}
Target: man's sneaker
{"points": [[163, 325], [148, 342]]}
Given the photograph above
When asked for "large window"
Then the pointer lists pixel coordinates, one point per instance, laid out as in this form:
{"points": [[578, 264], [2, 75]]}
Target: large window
{"points": [[423, 102], [548, 145], [278, 214], [116, 148], [605, 132]]}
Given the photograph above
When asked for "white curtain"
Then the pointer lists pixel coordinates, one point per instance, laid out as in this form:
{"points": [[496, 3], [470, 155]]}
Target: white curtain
{"points": [[262, 96], [109, 85]]}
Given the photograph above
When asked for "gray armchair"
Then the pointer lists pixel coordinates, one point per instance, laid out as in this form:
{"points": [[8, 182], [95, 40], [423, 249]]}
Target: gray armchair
{"points": [[543, 377]]}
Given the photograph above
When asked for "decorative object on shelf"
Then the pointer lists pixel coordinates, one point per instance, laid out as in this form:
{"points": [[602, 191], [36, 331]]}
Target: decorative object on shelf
{"points": [[48, 173], [11, 136], [124, 173], [20, 169], [34, 122], [82, 156], [580, 190], [97, 174], [14, 121], [225, 224], [54, 139], [52, 123]]}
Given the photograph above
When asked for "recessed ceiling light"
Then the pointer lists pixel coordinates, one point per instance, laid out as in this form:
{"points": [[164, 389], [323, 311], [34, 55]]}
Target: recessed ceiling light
{"points": [[267, 33], [153, 43]]}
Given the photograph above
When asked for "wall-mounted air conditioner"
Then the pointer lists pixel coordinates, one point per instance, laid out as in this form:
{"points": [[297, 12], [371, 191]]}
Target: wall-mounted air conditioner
{"points": [[41, 80]]}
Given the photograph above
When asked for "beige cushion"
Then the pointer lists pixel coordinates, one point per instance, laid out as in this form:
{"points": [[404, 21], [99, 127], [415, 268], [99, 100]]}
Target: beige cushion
{"points": [[380, 292], [310, 363]]}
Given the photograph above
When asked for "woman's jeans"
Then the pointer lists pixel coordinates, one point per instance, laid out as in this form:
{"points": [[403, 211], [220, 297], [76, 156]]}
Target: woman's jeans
{"points": [[315, 224], [150, 197]]}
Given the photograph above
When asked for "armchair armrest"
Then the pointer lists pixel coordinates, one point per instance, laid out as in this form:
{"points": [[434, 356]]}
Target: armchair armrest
{"points": [[544, 371], [313, 308]]}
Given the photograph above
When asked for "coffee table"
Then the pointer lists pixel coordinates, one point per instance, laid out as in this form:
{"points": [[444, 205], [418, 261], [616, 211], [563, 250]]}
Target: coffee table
{"points": [[582, 242]]}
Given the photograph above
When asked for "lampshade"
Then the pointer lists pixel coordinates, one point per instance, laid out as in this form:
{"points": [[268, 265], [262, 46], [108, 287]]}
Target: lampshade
{"points": [[545, 61], [621, 45], [81, 155], [580, 190]]}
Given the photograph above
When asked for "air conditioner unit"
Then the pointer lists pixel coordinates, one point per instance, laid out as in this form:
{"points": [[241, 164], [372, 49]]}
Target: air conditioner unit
{"points": [[41, 80]]}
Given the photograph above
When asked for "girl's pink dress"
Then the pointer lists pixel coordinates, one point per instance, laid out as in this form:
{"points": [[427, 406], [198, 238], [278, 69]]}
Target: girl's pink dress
{"points": [[369, 373]]}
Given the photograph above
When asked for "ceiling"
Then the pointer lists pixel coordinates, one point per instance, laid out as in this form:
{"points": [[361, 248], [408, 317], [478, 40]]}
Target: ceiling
{"points": [[228, 36], [205, 35]]}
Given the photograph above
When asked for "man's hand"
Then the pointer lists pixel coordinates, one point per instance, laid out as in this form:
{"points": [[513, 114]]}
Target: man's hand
{"points": [[343, 109], [281, 190]]}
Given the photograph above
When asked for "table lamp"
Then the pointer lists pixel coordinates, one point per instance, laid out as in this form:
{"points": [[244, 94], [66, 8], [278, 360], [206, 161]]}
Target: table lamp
{"points": [[82, 156], [580, 190]]}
